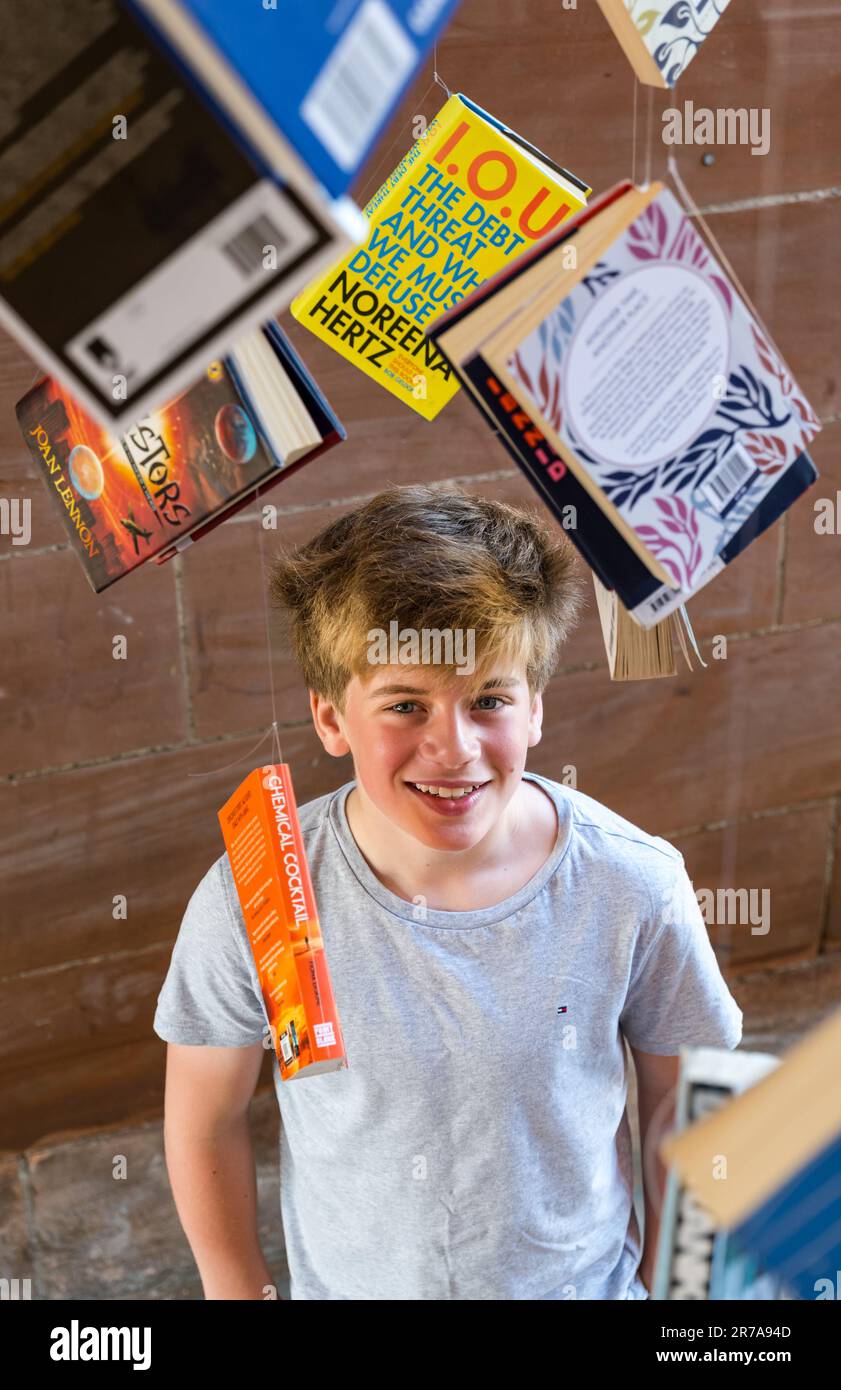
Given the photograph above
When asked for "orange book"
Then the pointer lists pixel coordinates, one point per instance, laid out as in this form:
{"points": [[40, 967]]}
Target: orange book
{"points": [[266, 852]]}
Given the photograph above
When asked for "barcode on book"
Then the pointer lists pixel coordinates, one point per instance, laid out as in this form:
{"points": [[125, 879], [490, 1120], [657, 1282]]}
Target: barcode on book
{"points": [[665, 596], [358, 83], [324, 1035], [729, 481], [248, 248]]}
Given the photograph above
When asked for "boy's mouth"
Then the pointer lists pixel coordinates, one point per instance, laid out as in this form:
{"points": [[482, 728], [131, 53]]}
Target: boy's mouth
{"points": [[448, 798]]}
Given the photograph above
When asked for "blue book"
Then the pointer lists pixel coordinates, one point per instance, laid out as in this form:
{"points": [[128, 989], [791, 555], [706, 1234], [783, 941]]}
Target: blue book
{"points": [[781, 1203], [327, 75], [215, 233]]}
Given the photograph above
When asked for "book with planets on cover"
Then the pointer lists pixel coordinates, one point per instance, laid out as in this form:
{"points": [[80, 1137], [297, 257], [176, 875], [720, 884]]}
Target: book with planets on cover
{"points": [[147, 493]]}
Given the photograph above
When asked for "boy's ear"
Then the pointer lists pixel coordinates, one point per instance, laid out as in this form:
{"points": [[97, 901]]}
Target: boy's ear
{"points": [[536, 720], [328, 725]]}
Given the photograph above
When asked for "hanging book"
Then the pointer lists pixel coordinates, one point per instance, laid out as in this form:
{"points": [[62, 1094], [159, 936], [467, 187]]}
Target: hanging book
{"points": [[326, 77], [694, 1259], [648, 378], [250, 420], [469, 197], [661, 37], [781, 1202], [139, 236], [268, 863]]}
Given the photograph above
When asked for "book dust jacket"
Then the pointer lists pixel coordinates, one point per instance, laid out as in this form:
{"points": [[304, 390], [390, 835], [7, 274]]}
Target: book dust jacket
{"points": [[124, 498], [461, 204]]}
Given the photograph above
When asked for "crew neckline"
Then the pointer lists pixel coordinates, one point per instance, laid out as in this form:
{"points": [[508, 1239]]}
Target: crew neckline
{"points": [[441, 917]]}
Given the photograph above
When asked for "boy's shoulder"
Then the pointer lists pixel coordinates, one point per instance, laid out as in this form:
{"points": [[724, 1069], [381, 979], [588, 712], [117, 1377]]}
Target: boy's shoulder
{"points": [[313, 815], [612, 837]]}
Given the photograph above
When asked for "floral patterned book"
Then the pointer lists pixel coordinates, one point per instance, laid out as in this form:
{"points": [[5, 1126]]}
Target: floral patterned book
{"points": [[661, 37], [656, 384]]}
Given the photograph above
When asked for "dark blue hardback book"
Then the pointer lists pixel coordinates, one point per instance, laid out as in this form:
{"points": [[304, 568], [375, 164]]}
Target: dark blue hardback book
{"points": [[328, 75]]}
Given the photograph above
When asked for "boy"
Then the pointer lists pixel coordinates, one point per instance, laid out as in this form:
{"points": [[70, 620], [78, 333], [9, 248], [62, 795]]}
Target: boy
{"points": [[491, 935]]}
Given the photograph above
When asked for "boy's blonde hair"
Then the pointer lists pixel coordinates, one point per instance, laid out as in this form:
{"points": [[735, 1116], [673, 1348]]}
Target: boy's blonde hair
{"points": [[428, 560]]}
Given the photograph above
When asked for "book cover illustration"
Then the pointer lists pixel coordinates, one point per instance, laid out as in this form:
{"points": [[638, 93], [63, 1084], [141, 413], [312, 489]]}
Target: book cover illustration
{"points": [[655, 376], [463, 201], [128, 498], [673, 30], [661, 37], [268, 862]]}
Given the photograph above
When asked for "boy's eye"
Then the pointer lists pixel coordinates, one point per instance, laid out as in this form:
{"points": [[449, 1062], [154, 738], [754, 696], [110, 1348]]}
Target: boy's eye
{"points": [[409, 706]]}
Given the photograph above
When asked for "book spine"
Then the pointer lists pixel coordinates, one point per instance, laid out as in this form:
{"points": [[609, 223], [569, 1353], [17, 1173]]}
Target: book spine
{"points": [[245, 501], [601, 546]]}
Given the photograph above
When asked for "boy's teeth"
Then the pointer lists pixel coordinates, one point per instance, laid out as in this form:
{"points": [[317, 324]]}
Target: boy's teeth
{"points": [[445, 791]]}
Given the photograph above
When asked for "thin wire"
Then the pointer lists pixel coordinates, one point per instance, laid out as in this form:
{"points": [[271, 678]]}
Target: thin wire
{"points": [[435, 75], [374, 181], [693, 211], [648, 119], [269, 649], [228, 766], [272, 731], [634, 137]]}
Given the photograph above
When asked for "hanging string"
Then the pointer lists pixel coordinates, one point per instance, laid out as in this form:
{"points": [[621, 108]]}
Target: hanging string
{"points": [[375, 179], [435, 74], [272, 731], [682, 626], [386, 163], [634, 135], [236, 762], [692, 210], [264, 584], [648, 124]]}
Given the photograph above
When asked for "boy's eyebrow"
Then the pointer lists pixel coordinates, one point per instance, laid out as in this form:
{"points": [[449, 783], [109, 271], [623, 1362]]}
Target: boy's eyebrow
{"points": [[497, 683]]}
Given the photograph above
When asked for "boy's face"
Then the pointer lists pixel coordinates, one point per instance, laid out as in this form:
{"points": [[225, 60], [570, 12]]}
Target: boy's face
{"points": [[407, 732]]}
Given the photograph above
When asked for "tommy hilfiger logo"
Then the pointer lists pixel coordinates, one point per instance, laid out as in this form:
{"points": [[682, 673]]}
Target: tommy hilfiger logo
{"points": [[562, 1008]]}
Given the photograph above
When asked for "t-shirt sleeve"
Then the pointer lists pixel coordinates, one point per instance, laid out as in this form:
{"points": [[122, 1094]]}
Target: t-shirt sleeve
{"points": [[211, 993], [677, 995]]}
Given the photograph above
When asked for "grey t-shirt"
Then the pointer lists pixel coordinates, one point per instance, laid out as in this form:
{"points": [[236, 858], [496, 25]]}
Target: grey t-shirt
{"points": [[477, 1144]]}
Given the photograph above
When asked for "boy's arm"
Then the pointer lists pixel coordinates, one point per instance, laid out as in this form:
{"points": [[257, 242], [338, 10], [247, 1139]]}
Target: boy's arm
{"points": [[210, 1161], [656, 1094]]}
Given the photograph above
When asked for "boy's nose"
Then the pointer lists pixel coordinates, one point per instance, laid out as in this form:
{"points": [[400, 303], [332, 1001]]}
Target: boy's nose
{"points": [[450, 742]]}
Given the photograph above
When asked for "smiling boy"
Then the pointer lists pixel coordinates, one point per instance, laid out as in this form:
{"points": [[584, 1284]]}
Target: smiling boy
{"points": [[493, 937]]}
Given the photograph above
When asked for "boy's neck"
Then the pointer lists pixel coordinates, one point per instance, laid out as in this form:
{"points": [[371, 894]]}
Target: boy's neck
{"points": [[495, 868]]}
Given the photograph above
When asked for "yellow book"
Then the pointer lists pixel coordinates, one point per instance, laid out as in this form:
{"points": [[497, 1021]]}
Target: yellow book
{"points": [[469, 196]]}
